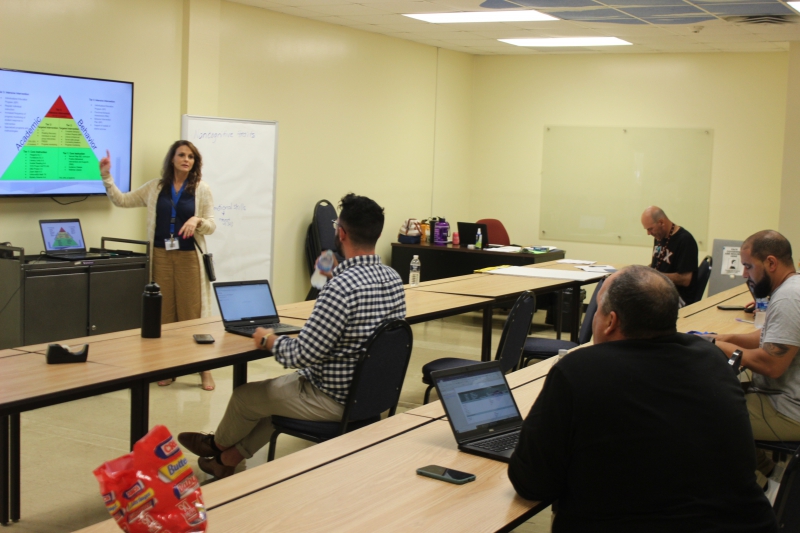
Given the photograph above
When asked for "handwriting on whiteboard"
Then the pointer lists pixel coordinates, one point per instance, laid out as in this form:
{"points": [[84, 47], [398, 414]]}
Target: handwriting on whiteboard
{"points": [[225, 213], [214, 135]]}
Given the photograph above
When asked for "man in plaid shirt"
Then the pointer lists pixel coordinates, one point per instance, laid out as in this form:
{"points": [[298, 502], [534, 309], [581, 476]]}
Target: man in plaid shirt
{"points": [[361, 293]]}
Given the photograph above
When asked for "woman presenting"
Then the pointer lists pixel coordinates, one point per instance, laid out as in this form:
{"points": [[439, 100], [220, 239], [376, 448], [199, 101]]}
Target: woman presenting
{"points": [[180, 211]]}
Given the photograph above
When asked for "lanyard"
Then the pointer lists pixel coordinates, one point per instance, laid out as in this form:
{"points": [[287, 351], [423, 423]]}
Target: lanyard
{"points": [[176, 197]]}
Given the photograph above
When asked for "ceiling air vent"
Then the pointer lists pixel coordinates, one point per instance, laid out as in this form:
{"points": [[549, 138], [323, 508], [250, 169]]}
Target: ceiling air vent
{"points": [[764, 19]]}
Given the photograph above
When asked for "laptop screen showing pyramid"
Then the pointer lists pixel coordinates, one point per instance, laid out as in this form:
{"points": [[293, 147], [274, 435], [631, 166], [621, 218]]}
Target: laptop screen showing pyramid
{"points": [[62, 235]]}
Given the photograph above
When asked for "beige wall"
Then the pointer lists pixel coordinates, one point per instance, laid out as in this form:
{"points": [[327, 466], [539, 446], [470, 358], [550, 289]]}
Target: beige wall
{"points": [[789, 223], [138, 41], [741, 96], [423, 131]]}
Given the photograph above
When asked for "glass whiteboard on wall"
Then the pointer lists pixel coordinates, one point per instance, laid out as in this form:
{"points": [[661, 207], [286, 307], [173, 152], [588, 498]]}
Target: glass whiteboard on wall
{"points": [[596, 181]]}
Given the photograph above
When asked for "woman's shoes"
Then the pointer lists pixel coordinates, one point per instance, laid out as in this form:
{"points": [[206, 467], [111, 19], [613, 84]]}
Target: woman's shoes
{"points": [[208, 381]]}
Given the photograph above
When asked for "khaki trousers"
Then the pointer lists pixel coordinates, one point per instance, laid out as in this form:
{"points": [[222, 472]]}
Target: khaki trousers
{"points": [[247, 424], [768, 424], [178, 274]]}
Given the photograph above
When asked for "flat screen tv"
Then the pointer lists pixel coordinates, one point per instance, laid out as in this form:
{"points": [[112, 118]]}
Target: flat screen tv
{"points": [[54, 130]]}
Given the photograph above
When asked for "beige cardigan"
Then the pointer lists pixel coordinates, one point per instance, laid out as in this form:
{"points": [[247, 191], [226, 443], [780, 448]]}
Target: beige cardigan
{"points": [[147, 196]]}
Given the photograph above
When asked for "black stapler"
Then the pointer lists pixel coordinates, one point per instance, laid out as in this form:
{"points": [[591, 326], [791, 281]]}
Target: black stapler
{"points": [[59, 354]]}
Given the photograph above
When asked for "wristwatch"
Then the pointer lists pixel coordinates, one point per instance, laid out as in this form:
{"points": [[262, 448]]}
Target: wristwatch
{"points": [[735, 359], [264, 341]]}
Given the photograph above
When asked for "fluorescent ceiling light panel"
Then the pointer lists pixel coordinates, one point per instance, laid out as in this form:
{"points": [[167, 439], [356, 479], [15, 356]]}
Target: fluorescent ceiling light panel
{"points": [[794, 5], [527, 15], [567, 41]]}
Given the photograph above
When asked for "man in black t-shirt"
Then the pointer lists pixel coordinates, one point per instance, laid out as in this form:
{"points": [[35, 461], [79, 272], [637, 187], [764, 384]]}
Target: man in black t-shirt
{"points": [[674, 252], [647, 431]]}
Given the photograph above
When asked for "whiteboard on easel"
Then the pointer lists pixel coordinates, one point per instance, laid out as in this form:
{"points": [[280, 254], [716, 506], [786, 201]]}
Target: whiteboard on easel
{"points": [[239, 164]]}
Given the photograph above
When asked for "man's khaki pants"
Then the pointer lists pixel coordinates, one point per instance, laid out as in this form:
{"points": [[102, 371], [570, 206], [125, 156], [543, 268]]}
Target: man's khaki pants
{"points": [[768, 424], [247, 423]]}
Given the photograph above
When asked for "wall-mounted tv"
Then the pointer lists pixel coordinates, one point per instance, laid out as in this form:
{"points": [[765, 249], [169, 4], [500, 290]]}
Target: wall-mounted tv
{"points": [[54, 130]]}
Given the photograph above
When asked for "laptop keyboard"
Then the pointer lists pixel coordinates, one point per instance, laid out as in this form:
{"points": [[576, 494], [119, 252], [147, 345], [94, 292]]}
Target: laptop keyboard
{"points": [[249, 330], [499, 444]]}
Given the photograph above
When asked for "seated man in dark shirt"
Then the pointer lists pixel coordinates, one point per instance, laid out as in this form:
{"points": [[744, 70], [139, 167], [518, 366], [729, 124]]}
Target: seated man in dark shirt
{"points": [[646, 431], [674, 252]]}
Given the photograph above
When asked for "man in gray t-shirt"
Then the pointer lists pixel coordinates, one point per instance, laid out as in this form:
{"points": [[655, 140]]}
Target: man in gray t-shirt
{"points": [[774, 401]]}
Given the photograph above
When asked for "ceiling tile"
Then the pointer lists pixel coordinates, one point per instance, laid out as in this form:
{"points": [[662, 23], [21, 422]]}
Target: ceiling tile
{"points": [[346, 10], [409, 6], [658, 11]]}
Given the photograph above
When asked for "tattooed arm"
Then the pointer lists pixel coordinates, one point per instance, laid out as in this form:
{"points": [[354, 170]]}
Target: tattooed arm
{"points": [[771, 360]]}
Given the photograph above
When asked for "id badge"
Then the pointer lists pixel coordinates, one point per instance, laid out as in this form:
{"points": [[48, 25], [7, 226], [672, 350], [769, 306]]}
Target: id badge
{"points": [[171, 244]]}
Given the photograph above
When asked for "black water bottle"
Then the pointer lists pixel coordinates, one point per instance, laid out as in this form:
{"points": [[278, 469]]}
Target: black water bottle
{"points": [[151, 311]]}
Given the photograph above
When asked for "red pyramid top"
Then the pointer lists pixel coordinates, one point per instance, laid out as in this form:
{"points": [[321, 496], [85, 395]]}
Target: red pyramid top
{"points": [[61, 230], [59, 110]]}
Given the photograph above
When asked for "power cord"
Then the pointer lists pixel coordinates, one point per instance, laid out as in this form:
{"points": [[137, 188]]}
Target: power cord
{"points": [[68, 203]]}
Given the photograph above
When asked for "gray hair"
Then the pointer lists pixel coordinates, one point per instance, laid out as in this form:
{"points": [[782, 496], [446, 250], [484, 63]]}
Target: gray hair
{"points": [[645, 301]]}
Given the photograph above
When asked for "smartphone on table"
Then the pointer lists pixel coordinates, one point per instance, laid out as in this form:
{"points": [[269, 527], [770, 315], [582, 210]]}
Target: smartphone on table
{"points": [[446, 474], [730, 307], [203, 338]]}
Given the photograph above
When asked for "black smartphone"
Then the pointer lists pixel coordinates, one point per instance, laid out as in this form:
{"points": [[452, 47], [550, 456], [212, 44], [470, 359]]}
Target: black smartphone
{"points": [[203, 339], [446, 474], [730, 307]]}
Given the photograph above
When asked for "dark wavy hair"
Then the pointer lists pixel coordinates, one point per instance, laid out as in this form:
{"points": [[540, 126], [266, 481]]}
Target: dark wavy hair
{"points": [[168, 169], [362, 219]]}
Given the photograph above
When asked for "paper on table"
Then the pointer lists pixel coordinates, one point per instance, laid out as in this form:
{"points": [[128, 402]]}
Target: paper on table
{"points": [[598, 268], [507, 249], [575, 262], [547, 273]]}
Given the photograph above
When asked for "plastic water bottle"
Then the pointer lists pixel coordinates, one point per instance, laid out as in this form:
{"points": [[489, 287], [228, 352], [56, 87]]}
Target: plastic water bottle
{"points": [[151, 311], [761, 312], [414, 272], [478, 240], [324, 265]]}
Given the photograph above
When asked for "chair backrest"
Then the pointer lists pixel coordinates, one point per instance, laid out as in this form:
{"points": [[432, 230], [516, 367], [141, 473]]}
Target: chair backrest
{"points": [[496, 231], [787, 502], [380, 372], [515, 331], [703, 274], [323, 232], [585, 334]]}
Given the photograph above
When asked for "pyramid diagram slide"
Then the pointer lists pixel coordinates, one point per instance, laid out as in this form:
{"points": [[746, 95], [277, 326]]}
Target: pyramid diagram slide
{"points": [[63, 240], [56, 150]]}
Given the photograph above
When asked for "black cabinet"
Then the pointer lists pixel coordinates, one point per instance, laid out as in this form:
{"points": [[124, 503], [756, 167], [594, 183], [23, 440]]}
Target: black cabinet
{"points": [[46, 300]]}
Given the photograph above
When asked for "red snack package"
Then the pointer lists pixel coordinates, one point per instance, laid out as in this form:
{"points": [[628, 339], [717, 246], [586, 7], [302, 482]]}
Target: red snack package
{"points": [[152, 489]]}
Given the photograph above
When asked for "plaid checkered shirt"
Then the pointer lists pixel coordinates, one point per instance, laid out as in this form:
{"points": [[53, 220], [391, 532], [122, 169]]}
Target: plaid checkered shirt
{"points": [[362, 293]]}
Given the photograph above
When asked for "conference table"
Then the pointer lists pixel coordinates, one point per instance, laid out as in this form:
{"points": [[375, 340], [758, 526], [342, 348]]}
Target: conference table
{"points": [[448, 260], [124, 360], [366, 481]]}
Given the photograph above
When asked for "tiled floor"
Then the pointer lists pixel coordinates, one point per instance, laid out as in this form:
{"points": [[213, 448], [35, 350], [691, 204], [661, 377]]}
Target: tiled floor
{"points": [[61, 494]]}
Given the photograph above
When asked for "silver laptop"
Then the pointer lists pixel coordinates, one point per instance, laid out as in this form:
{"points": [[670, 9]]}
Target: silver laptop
{"points": [[63, 239], [481, 409], [247, 305]]}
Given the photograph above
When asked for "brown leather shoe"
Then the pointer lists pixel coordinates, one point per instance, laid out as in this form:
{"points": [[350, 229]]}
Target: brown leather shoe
{"points": [[200, 444], [216, 469]]}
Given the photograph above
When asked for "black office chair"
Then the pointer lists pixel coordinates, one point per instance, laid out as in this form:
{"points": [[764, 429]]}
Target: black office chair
{"points": [[509, 350], [540, 348], [787, 501], [320, 236], [377, 380], [703, 273]]}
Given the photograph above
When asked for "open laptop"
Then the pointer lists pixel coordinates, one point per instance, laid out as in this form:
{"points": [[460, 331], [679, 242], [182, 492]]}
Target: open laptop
{"points": [[468, 230], [481, 409], [63, 239], [247, 305]]}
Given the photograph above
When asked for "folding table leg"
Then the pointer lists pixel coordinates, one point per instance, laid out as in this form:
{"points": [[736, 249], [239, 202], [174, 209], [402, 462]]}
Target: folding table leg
{"points": [[14, 451], [486, 340], [559, 314], [4, 484], [140, 410], [239, 374], [577, 307]]}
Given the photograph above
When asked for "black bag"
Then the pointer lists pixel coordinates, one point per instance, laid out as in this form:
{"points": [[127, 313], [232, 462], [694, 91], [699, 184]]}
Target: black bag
{"points": [[208, 263]]}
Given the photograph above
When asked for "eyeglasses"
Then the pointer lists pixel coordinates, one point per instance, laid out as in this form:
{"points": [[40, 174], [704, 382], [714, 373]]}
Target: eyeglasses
{"points": [[335, 225]]}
